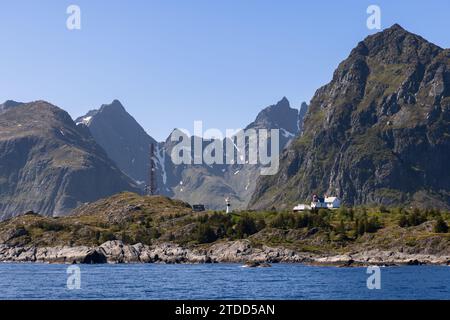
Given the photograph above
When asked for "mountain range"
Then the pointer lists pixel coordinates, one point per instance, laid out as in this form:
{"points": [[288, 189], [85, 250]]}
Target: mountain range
{"points": [[51, 164], [127, 144], [377, 134]]}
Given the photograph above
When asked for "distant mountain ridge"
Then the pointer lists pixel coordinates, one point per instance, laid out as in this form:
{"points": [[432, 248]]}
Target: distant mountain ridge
{"points": [[127, 144]]}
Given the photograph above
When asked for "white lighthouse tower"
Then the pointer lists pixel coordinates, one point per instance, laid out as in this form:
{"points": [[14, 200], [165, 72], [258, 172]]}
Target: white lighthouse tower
{"points": [[227, 200]]}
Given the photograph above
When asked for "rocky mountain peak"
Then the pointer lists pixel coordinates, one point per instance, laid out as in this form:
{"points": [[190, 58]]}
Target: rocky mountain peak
{"points": [[36, 113], [114, 107], [284, 102], [396, 45], [277, 116], [122, 137]]}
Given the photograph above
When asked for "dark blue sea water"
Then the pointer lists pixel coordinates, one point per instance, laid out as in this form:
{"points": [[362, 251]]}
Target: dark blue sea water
{"points": [[221, 281]]}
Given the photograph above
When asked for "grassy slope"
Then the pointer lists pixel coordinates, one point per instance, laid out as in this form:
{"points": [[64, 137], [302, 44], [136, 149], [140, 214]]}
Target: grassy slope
{"points": [[133, 218]]}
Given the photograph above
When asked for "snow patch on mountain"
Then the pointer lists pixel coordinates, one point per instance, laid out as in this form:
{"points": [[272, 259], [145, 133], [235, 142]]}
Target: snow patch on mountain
{"points": [[86, 121]]}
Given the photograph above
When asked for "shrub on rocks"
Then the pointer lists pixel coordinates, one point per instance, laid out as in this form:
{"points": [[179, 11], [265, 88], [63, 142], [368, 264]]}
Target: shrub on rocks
{"points": [[440, 226]]}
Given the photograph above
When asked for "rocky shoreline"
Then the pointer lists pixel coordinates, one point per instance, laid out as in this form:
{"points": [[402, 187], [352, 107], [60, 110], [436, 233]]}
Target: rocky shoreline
{"points": [[224, 252]]}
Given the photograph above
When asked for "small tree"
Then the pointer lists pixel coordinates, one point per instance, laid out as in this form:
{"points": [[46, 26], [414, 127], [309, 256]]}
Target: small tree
{"points": [[283, 221], [245, 227], [440, 226], [403, 221], [205, 234], [260, 224], [341, 228], [360, 227], [343, 212], [416, 218], [372, 225], [351, 214], [303, 220], [125, 238], [106, 236], [323, 213]]}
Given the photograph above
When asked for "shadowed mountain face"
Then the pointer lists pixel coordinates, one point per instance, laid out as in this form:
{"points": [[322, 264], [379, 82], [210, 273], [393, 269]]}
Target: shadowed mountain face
{"points": [[9, 104], [379, 132], [123, 139], [49, 165], [127, 144], [301, 116]]}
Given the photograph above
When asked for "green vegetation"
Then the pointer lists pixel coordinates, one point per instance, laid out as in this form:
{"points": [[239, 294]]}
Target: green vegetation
{"points": [[149, 220], [307, 220], [416, 217], [440, 226], [204, 234], [390, 76]]}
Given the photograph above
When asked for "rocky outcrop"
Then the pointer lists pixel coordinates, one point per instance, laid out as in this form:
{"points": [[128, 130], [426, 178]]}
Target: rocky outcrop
{"points": [[52, 255], [225, 252], [380, 257], [49, 165], [378, 133]]}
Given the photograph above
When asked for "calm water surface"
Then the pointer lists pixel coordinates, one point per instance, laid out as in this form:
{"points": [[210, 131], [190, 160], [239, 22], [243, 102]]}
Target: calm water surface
{"points": [[221, 281]]}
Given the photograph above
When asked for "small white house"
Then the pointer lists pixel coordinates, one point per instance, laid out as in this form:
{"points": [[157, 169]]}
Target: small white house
{"points": [[333, 202], [318, 202], [301, 207]]}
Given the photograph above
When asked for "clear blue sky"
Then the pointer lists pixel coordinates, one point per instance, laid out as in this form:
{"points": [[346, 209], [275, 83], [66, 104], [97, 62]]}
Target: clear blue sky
{"points": [[173, 62]]}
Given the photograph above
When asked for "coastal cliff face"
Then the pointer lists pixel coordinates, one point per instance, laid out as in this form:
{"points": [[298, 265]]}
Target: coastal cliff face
{"points": [[49, 165], [378, 133]]}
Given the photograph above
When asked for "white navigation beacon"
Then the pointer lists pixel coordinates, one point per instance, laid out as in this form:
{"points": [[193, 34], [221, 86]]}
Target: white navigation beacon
{"points": [[227, 200]]}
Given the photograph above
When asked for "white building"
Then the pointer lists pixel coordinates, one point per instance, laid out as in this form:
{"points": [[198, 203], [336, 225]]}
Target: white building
{"points": [[332, 202], [301, 207], [317, 203]]}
